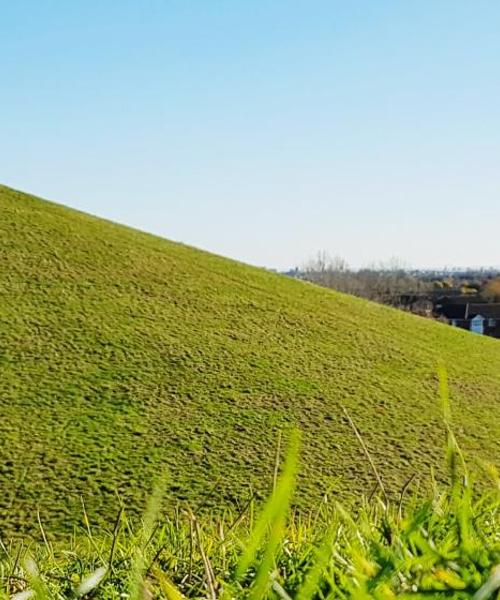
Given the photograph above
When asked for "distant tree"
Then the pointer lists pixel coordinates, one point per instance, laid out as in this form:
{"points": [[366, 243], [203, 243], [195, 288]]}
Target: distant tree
{"points": [[383, 282], [467, 290], [491, 291]]}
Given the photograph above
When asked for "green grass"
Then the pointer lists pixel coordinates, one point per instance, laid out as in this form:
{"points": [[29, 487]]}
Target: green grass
{"points": [[123, 356], [445, 546]]}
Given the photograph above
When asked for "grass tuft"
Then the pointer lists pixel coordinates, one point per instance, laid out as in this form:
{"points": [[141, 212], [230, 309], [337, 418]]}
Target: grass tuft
{"points": [[445, 546]]}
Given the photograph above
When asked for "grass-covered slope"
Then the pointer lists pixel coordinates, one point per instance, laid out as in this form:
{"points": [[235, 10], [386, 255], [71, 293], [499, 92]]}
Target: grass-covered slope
{"points": [[123, 355], [446, 546]]}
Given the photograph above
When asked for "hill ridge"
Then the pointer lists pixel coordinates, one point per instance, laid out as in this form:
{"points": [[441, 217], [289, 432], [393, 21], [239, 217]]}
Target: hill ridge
{"points": [[123, 354]]}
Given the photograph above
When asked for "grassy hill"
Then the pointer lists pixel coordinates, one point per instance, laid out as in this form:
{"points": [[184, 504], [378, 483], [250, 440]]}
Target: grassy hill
{"points": [[123, 355]]}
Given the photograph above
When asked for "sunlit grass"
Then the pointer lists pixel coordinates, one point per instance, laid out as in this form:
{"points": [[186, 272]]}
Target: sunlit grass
{"points": [[447, 545], [123, 355]]}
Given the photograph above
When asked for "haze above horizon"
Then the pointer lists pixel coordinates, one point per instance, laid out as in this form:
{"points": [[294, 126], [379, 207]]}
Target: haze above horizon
{"points": [[264, 131]]}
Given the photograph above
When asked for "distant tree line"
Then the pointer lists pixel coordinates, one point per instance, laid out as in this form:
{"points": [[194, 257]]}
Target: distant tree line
{"points": [[491, 291], [392, 282]]}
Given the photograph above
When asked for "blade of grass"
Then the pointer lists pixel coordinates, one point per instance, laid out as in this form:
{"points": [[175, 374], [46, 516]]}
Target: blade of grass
{"points": [[50, 551], [91, 582], [166, 586], [35, 581], [138, 567], [273, 507], [209, 573], [367, 454], [316, 572]]}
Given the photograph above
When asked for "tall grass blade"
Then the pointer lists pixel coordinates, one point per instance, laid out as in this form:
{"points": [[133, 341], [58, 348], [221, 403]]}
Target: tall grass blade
{"points": [[166, 586], [316, 572], [91, 582], [272, 521], [367, 454], [139, 562], [490, 587], [36, 583]]}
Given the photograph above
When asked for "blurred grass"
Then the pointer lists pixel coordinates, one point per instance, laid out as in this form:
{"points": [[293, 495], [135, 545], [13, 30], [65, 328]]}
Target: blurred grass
{"points": [[445, 546], [123, 355]]}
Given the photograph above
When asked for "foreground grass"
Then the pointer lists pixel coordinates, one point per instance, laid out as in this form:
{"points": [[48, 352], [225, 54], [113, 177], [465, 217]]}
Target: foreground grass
{"points": [[446, 546], [123, 355]]}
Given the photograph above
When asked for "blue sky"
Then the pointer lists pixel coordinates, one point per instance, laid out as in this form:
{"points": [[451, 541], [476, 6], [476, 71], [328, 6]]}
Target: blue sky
{"points": [[263, 130]]}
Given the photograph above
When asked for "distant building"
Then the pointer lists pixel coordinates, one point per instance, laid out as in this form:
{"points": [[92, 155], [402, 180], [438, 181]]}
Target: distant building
{"points": [[419, 304], [482, 318]]}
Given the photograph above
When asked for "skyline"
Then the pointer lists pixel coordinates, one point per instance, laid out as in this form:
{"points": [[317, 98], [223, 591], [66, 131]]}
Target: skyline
{"points": [[264, 132]]}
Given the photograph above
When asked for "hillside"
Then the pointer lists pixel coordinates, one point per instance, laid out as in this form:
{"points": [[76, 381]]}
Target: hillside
{"points": [[123, 355]]}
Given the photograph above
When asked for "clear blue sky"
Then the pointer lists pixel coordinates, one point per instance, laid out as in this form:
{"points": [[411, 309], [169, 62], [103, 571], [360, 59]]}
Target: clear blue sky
{"points": [[263, 130]]}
